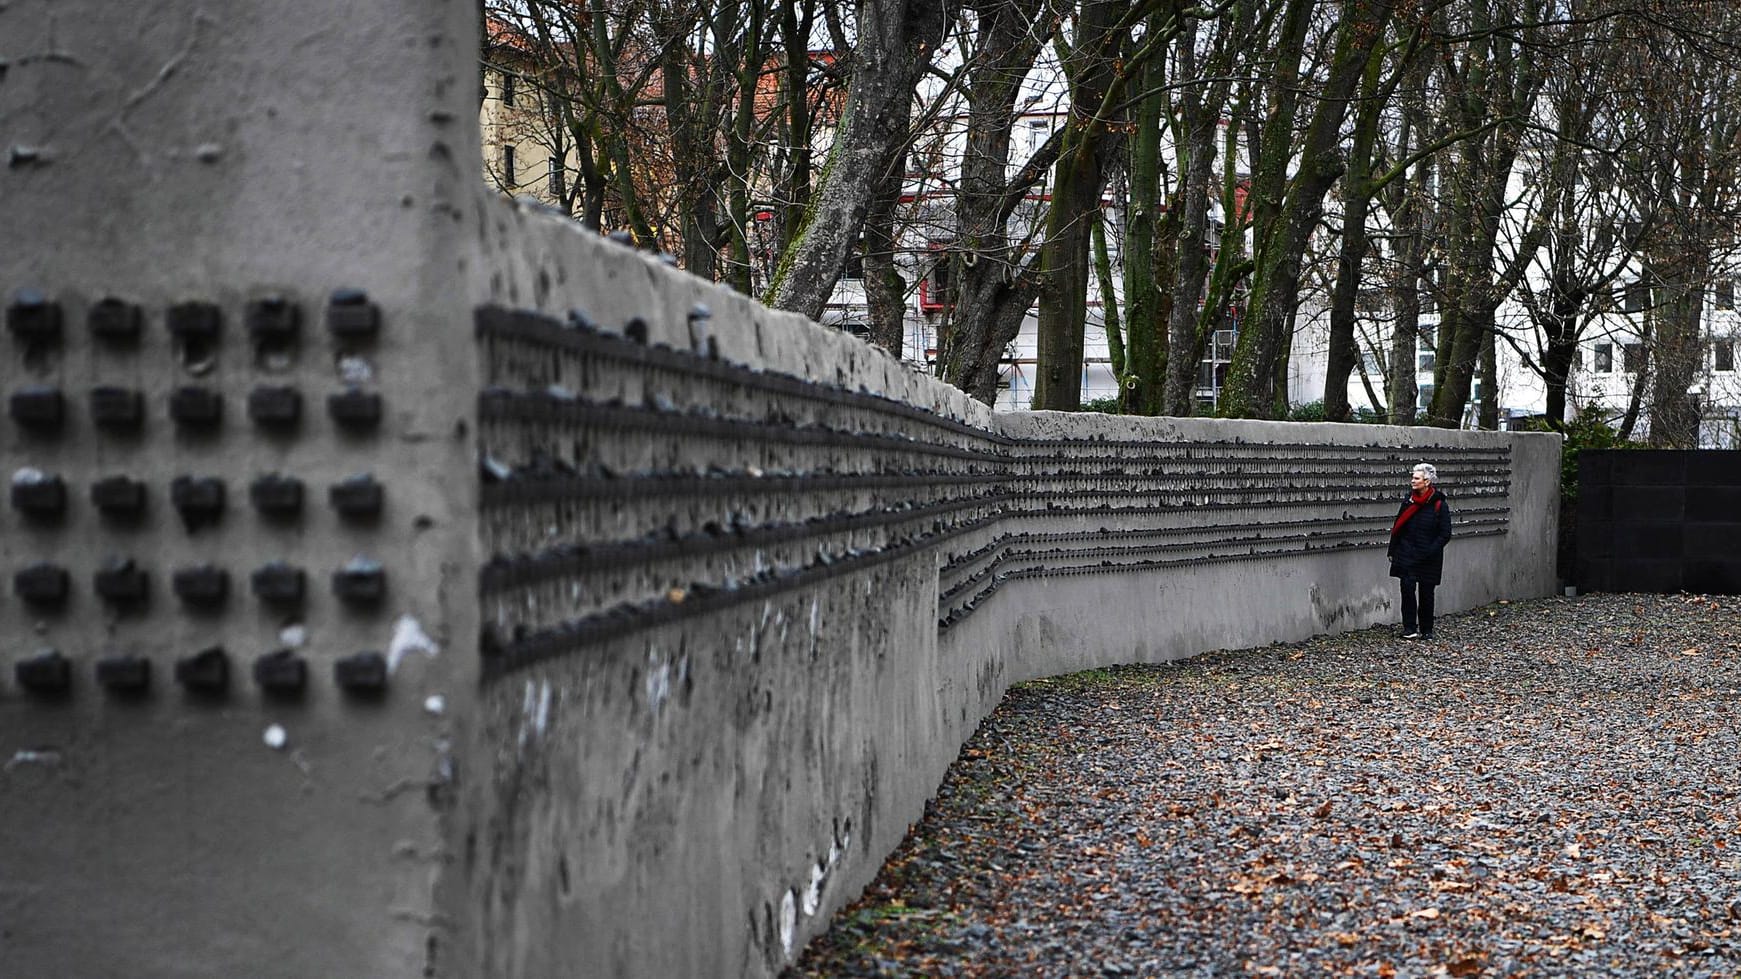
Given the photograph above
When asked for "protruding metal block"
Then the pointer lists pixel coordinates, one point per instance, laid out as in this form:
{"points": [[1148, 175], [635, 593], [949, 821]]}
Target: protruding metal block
{"points": [[195, 322], [202, 585], [38, 407], [46, 674], [273, 320], [199, 499], [38, 494], [276, 496], [33, 317], [116, 321], [117, 408], [358, 497], [362, 581], [272, 406], [124, 674], [282, 673], [279, 582], [206, 672], [355, 408], [118, 496], [42, 584], [121, 581], [361, 674], [350, 315], [196, 407]]}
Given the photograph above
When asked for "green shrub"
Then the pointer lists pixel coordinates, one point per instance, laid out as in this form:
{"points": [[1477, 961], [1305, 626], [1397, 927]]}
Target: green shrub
{"points": [[1313, 411], [1589, 429]]}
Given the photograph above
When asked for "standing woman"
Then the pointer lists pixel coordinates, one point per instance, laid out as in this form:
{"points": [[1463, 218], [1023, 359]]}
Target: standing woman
{"points": [[1417, 549]]}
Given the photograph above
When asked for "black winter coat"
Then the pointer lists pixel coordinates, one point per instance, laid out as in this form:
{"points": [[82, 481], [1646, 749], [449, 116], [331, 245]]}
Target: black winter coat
{"points": [[1418, 549]]}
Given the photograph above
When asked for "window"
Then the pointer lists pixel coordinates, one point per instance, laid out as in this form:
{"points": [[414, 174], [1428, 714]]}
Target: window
{"points": [[508, 176], [1424, 397], [1038, 132], [558, 185], [854, 263], [507, 88], [1426, 355], [1723, 352], [1634, 360], [1725, 293], [1637, 296], [934, 287], [1604, 358], [1223, 348]]}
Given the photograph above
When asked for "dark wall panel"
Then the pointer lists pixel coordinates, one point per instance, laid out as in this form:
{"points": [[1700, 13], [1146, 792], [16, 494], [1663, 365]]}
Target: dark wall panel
{"points": [[1659, 520]]}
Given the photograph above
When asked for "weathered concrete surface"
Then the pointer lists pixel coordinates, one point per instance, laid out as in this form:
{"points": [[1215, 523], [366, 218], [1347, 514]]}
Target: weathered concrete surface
{"points": [[695, 798], [171, 151]]}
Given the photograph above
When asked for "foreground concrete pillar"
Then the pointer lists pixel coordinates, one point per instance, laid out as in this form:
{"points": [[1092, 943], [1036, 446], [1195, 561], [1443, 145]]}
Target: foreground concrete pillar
{"points": [[228, 250]]}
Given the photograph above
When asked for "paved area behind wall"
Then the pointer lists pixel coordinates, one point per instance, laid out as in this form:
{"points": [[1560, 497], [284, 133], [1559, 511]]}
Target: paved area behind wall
{"points": [[1551, 789]]}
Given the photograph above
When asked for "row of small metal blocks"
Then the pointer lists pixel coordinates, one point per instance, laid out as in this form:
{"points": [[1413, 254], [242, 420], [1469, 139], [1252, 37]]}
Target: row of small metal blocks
{"points": [[282, 674], [272, 321]]}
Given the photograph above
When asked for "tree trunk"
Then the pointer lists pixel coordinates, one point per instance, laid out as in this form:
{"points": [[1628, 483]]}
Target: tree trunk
{"points": [[1200, 107], [896, 39], [1109, 305], [994, 288], [792, 187], [1640, 382], [1144, 367], [1078, 180], [1358, 185], [885, 291], [1487, 410], [1677, 353], [1407, 205], [1256, 386]]}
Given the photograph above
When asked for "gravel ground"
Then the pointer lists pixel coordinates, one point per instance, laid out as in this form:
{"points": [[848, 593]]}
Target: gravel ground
{"points": [[1550, 789]]}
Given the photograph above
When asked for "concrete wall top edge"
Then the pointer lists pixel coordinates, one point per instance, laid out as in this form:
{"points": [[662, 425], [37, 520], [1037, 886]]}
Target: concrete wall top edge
{"points": [[539, 260], [1093, 426]]}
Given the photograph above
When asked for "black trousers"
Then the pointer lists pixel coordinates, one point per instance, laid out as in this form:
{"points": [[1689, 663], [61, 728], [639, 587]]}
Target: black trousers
{"points": [[1417, 613]]}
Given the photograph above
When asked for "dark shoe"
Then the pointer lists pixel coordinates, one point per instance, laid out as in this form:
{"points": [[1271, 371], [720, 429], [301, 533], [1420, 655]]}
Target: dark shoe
{"points": [[1414, 635], [1426, 636]]}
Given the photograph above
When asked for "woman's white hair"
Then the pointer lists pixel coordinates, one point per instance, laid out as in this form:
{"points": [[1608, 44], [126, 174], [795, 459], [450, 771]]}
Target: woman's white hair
{"points": [[1426, 469]]}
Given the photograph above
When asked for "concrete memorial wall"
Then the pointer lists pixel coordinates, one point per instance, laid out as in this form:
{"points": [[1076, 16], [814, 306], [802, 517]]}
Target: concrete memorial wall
{"points": [[401, 581]]}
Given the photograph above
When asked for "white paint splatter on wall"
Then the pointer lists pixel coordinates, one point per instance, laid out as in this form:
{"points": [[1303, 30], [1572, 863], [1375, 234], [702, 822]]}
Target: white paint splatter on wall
{"points": [[788, 921], [409, 637]]}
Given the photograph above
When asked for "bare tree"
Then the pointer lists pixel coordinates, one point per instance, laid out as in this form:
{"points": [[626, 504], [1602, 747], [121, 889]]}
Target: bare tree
{"points": [[895, 44], [994, 282], [1289, 185]]}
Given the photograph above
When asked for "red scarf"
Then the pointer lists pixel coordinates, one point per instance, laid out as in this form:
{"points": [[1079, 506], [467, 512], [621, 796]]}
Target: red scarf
{"points": [[1416, 500]]}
